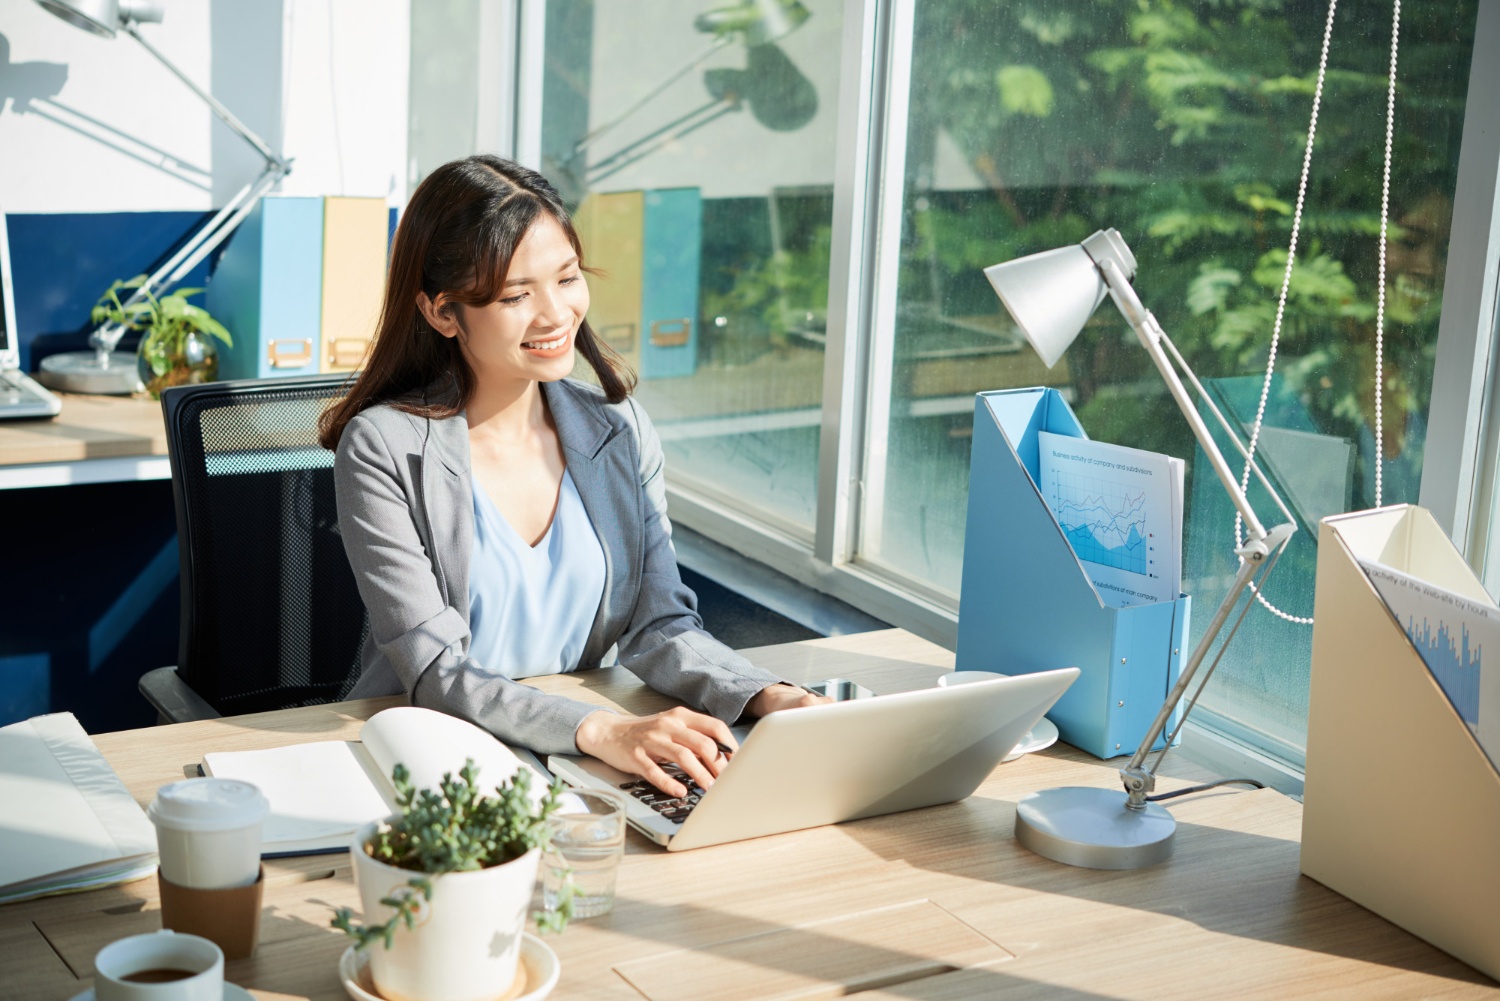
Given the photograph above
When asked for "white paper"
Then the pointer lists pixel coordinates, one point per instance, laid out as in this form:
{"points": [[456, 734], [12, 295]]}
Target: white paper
{"points": [[1121, 511], [322, 792], [1451, 633], [70, 819]]}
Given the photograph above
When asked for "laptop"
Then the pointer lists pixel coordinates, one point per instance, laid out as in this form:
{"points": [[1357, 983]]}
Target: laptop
{"points": [[20, 394], [826, 764]]}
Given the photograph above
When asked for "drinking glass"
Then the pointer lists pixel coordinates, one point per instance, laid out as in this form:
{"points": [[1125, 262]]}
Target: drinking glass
{"points": [[588, 838]]}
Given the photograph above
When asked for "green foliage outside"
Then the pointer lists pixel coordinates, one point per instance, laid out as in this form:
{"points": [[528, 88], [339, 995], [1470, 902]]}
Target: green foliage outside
{"points": [[1183, 125]]}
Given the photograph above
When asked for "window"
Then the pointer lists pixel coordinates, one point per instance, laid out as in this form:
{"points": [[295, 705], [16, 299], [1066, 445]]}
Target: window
{"points": [[697, 146], [1183, 126], [828, 201]]}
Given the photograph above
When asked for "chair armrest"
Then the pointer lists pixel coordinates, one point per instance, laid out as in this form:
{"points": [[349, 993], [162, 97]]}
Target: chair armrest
{"points": [[174, 701]]}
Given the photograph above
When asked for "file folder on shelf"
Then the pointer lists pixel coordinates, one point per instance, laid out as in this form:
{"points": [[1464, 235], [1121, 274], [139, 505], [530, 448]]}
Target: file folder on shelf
{"points": [[355, 232], [268, 290], [672, 252], [1027, 603], [610, 224], [1401, 809]]}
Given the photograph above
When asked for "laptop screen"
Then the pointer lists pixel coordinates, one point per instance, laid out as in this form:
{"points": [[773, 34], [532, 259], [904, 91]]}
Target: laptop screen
{"points": [[7, 295]]}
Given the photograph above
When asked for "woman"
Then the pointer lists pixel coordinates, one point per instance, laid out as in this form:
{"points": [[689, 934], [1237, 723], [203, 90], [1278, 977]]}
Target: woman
{"points": [[504, 521]]}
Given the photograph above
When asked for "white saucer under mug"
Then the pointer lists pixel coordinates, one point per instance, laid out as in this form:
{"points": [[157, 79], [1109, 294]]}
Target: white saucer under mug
{"points": [[537, 959], [232, 992]]}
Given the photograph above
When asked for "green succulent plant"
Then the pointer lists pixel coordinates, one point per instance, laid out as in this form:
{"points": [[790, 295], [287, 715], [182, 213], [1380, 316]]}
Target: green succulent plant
{"points": [[456, 828]]}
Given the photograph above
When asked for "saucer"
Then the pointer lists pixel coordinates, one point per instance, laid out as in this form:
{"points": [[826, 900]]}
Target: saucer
{"points": [[1044, 734], [232, 992], [537, 959]]}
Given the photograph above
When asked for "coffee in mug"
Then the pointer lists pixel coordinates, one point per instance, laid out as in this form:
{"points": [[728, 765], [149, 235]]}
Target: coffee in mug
{"points": [[160, 966]]}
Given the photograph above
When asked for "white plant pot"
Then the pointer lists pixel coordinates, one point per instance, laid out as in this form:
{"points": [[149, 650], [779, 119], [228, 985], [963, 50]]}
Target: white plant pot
{"points": [[467, 939]]}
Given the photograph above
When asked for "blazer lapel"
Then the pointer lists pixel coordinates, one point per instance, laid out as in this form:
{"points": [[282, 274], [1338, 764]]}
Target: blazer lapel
{"points": [[606, 471], [448, 505]]}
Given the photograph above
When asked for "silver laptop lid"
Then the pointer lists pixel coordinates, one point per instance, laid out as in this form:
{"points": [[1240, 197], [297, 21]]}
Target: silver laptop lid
{"points": [[10, 354]]}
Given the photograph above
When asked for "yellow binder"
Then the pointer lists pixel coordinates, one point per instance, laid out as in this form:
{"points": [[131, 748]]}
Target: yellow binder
{"points": [[612, 226], [1402, 806], [354, 245]]}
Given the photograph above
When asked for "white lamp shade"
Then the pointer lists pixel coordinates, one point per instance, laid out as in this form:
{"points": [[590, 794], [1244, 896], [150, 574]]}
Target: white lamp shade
{"points": [[104, 17], [1050, 295]]}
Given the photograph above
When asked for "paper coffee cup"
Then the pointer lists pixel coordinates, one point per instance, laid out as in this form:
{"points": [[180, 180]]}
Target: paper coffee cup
{"points": [[159, 966], [208, 832]]}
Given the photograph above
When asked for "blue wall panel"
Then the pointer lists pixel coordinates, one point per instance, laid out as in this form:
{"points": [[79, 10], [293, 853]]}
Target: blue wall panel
{"points": [[63, 262]]}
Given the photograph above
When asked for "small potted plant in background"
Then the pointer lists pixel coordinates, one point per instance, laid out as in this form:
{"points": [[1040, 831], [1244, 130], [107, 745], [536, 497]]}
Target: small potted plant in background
{"points": [[177, 346], [451, 874]]}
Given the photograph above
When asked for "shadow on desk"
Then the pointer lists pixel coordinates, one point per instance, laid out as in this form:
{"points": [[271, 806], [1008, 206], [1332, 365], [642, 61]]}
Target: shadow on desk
{"points": [[1220, 879]]}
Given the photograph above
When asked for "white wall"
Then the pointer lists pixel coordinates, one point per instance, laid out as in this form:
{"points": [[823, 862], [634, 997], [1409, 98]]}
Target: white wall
{"points": [[89, 124]]}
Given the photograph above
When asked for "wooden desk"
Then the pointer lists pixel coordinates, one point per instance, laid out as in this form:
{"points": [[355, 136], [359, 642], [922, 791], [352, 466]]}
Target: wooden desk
{"points": [[1227, 916], [96, 439]]}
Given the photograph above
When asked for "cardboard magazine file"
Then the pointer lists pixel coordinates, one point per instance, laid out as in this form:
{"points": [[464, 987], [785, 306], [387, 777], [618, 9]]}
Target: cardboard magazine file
{"points": [[1027, 603], [1401, 805]]}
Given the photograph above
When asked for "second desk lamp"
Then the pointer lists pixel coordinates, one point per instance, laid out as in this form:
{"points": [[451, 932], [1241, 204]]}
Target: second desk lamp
{"points": [[1051, 296]]}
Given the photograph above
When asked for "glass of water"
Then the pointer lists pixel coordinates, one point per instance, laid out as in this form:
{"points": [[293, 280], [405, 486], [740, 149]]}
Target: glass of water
{"points": [[588, 838]]}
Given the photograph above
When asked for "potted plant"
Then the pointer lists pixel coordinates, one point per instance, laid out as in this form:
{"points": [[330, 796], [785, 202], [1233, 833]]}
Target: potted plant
{"points": [[449, 878], [177, 347]]}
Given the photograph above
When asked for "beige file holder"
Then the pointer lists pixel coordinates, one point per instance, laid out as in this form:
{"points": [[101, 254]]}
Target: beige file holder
{"points": [[1402, 806]]}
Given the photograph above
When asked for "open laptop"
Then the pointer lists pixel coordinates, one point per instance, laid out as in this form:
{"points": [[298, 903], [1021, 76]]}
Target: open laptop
{"points": [[827, 764], [20, 395]]}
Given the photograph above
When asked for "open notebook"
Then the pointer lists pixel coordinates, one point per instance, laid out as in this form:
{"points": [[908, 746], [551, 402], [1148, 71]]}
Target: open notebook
{"points": [[321, 792], [69, 824]]}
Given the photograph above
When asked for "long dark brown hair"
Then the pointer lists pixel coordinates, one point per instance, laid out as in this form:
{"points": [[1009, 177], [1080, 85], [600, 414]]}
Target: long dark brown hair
{"points": [[455, 240]]}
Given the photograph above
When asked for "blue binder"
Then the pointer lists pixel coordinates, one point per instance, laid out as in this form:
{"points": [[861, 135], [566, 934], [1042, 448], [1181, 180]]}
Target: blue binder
{"points": [[672, 251], [268, 290], [1027, 605]]}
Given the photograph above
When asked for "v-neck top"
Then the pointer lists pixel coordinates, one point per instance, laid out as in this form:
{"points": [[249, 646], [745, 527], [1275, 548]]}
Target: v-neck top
{"points": [[531, 607]]}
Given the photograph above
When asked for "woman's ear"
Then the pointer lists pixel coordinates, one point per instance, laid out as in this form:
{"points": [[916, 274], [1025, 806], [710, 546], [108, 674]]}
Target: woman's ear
{"points": [[440, 314]]}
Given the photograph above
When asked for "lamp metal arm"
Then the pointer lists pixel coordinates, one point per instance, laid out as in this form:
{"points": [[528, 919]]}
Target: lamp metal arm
{"points": [[1149, 332], [225, 115]]}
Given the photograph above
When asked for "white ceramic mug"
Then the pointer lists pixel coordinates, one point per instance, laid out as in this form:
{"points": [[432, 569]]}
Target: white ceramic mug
{"points": [[967, 678], [208, 832], [159, 966]]}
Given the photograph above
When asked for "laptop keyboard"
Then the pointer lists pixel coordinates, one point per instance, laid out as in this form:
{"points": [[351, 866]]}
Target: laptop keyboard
{"points": [[674, 808]]}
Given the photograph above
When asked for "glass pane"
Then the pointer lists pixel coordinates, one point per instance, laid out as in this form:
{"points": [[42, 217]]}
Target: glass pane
{"points": [[697, 144], [1183, 126]]}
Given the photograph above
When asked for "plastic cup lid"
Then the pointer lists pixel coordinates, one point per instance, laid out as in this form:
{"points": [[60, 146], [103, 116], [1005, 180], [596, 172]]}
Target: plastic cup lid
{"points": [[208, 804]]}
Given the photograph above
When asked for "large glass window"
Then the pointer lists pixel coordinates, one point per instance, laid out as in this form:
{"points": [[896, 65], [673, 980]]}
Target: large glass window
{"points": [[696, 142], [1182, 125]]}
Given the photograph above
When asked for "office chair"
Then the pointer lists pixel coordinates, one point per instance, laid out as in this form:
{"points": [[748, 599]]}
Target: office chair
{"points": [[271, 616]]}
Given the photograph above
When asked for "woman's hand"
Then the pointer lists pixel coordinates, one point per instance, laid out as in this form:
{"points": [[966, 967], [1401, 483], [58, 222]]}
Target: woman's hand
{"points": [[641, 744], [782, 696]]}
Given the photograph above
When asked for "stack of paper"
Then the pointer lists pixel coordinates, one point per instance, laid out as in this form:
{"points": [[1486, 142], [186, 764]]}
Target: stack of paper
{"points": [[1121, 510], [70, 824], [1451, 632]]}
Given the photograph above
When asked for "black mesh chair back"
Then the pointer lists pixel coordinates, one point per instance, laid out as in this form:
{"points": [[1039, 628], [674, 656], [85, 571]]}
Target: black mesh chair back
{"points": [[270, 614]]}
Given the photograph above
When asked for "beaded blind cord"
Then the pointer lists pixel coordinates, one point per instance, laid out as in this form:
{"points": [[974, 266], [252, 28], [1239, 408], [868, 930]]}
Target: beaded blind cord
{"points": [[1286, 280]]}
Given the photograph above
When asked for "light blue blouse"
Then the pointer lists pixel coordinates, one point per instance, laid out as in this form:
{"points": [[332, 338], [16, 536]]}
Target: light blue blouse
{"points": [[531, 607]]}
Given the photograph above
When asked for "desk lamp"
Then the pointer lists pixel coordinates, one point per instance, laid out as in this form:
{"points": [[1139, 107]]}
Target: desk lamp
{"points": [[1051, 296], [105, 370]]}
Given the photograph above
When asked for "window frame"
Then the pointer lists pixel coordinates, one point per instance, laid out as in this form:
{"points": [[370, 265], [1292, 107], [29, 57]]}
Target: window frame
{"points": [[1461, 475]]}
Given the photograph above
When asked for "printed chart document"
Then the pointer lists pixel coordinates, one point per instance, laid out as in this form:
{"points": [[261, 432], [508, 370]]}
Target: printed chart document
{"points": [[70, 824], [1121, 510], [321, 793], [1451, 633]]}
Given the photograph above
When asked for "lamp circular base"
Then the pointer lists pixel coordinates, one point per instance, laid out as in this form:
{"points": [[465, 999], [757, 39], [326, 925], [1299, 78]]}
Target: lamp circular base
{"points": [[80, 372], [1093, 828]]}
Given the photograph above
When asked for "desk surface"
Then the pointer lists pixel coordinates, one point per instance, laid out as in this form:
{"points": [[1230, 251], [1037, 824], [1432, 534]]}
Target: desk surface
{"points": [[1227, 916], [96, 439]]}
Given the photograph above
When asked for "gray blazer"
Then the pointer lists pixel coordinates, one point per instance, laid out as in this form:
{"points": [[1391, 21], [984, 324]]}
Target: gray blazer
{"points": [[406, 514]]}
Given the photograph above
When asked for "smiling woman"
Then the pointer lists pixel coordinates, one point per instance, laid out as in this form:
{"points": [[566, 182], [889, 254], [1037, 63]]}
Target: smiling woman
{"points": [[504, 521]]}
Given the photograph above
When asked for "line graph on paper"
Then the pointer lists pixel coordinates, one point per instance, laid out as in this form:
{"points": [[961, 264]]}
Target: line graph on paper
{"points": [[1104, 520]]}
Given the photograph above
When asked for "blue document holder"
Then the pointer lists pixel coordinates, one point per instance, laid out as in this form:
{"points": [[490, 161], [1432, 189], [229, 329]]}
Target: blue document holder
{"points": [[268, 290], [1027, 603], [671, 257]]}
